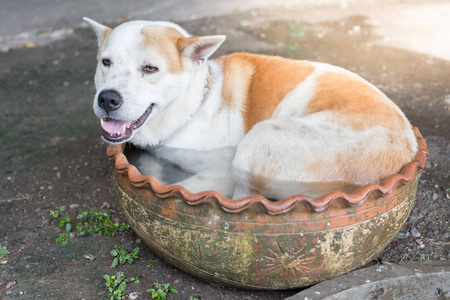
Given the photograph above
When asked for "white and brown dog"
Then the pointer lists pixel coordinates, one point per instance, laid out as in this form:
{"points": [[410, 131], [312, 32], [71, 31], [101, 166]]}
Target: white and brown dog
{"points": [[316, 126]]}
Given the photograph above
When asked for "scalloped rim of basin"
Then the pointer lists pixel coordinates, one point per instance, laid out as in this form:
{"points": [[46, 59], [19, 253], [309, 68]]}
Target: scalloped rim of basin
{"points": [[405, 176]]}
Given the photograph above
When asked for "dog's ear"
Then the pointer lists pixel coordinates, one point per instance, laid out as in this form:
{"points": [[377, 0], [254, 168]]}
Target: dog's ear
{"points": [[199, 48], [100, 30]]}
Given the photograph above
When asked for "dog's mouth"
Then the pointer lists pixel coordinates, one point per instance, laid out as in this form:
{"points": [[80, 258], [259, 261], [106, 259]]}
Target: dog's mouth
{"points": [[115, 131]]}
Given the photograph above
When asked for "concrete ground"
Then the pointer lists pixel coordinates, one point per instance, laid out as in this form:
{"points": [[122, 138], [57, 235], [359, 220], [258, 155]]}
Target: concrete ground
{"points": [[412, 280], [51, 154]]}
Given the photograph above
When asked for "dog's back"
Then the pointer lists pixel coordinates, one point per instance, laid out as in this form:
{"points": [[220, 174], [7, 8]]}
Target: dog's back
{"points": [[315, 125]]}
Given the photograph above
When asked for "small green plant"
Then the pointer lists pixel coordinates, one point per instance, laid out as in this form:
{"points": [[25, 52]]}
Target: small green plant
{"points": [[63, 220], [3, 251], [62, 239], [192, 298], [152, 262], [137, 274], [423, 257], [56, 213], [90, 221], [121, 256], [98, 222], [161, 291], [117, 285], [244, 28]]}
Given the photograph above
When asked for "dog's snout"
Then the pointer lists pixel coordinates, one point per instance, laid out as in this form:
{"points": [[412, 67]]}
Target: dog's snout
{"points": [[110, 100]]}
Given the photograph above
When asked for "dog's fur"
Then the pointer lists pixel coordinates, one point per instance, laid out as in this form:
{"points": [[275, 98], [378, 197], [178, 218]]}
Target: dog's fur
{"points": [[319, 126]]}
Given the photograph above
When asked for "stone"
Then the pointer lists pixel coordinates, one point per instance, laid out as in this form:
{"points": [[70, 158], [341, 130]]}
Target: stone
{"points": [[412, 280]]}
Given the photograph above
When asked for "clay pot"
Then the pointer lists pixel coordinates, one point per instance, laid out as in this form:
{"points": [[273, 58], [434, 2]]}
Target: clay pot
{"points": [[255, 243]]}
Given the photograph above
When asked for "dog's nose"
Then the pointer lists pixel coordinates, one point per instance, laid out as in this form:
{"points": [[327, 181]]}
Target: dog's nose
{"points": [[109, 100]]}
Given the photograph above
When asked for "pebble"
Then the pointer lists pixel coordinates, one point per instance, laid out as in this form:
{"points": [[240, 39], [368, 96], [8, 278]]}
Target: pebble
{"points": [[11, 285], [447, 99], [415, 232], [420, 243], [402, 235], [133, 296], [433, 229], [9, 292], [89, 256]]}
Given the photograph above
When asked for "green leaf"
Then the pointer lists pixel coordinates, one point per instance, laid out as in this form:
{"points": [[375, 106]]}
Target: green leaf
{"points": [[121, 260], [124, 226], [68, 227], [62, 208], [123, 286], [135, 252], [83, 214], [114, 253], [115, 262]]}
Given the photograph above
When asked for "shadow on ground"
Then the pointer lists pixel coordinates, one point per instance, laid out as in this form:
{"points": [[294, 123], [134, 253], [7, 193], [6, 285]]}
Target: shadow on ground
{"points": [[51, 154]]}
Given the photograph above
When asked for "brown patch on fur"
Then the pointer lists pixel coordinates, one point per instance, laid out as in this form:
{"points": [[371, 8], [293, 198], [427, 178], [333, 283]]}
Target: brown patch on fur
{"points": [[106, 36], [263, 81], [358, 104], [165, 40], [237, 77], [277, 128], [184, 42], [257, 184], [260, 176]]}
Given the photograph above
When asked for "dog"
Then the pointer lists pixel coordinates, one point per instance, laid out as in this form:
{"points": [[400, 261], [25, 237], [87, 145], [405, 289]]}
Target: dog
{"points": [[295, 127]]}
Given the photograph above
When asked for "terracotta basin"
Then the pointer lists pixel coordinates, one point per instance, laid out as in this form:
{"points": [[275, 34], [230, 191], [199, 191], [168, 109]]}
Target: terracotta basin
{"points": [[255, 243]]}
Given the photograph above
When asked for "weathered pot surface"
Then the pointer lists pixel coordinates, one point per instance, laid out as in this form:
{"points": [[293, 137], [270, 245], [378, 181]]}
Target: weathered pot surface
{"points": [[259, 244]]}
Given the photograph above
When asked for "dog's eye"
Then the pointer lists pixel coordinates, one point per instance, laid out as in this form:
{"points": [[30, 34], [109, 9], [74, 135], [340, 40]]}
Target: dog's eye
{"points": [[106, 62], [150, 69]]}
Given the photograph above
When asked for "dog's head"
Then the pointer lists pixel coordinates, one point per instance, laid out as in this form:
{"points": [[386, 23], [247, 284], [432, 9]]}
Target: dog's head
{"points": [[143, 68]]}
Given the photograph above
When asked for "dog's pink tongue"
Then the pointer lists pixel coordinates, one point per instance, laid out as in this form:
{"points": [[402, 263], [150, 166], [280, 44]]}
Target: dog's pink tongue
{"points": [[114, 126]]}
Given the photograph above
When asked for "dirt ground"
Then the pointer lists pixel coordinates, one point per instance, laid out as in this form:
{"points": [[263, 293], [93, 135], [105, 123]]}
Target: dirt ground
{"points": [[51, 153]]}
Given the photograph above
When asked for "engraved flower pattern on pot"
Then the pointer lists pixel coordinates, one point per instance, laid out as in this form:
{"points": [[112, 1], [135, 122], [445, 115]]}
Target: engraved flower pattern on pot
{"points": [[375, 236], [287, 260], [209, 254]]}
